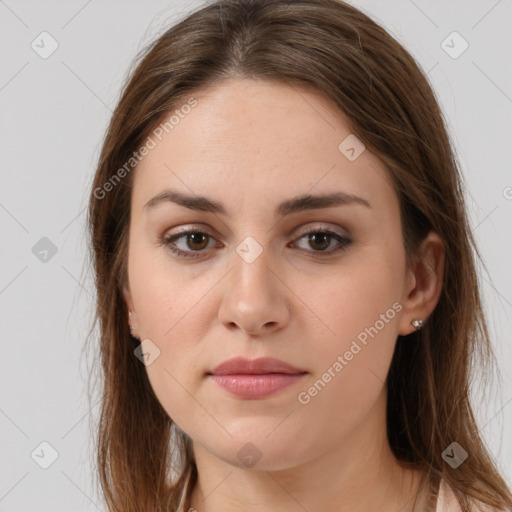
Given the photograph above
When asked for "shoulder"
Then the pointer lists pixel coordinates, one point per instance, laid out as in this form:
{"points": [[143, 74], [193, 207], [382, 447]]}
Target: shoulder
{"points": [[447, 501]]}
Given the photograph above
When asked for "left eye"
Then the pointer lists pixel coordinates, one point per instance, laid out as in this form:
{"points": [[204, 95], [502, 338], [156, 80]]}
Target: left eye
{"points": [[198, 241]]}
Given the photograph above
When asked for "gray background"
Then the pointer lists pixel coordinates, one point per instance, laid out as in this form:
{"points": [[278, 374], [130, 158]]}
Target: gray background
{"points": [[54, 112]]}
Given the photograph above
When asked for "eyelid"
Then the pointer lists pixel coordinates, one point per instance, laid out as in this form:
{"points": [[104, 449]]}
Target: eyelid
{"points": [[323, 227]]}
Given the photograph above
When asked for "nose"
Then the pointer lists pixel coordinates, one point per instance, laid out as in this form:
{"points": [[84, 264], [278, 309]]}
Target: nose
{"points": [[255, 299]]}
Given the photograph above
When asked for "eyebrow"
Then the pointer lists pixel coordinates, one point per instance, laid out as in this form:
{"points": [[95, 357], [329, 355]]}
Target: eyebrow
{"points": [[295, 204]]}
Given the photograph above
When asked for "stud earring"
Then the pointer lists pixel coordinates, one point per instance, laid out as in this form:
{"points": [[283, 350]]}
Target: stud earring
{"points": [[417, 324]]}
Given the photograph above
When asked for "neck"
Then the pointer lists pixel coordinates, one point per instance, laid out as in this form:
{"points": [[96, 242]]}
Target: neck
{"points": [[359, 473]]}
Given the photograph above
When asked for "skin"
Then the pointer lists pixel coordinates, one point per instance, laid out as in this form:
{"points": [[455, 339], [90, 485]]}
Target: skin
{"points": [[250, 145]]}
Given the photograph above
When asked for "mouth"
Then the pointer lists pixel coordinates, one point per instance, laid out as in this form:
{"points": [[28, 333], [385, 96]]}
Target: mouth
{"points": [[257, 378]]}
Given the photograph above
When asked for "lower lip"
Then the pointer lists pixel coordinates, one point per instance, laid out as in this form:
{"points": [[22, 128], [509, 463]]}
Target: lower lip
{"points": [[256, 386]]}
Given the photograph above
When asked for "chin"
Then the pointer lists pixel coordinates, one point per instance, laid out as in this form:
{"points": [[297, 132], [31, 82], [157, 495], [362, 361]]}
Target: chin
{"points": [[258, 452]]}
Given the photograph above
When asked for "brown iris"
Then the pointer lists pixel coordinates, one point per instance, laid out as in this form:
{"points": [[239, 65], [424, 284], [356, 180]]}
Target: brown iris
{"points": [[319, 238], [197, 238]]}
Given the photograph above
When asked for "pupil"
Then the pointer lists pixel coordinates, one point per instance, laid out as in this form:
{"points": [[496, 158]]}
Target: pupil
{"points": [[321, 236], [199, 236]]}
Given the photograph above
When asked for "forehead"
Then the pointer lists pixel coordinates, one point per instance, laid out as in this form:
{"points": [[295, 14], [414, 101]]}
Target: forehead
{"points": [[261, 140]]}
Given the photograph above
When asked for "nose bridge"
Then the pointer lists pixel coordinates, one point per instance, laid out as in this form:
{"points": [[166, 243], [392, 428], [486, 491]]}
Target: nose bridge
{"points": [[253, 273], [255, 298]]}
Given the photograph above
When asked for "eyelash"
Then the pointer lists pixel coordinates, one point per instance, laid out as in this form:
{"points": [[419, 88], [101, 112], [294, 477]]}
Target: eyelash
{"points": [[170, 239]]}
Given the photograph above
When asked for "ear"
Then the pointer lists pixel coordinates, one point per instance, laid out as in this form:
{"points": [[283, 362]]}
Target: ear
{"points": [[132, 315], [424, 283]]}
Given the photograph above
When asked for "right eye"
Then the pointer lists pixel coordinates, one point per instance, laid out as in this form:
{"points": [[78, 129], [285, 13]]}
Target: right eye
{"points": [[193, 237]]}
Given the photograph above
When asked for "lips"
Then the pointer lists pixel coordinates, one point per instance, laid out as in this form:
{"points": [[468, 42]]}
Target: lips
{"points": [[260, 366], [255, 378]]}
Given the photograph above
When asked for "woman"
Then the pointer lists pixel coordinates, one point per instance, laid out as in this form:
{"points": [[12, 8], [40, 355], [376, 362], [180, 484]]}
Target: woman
{"points": [[287, 295]]}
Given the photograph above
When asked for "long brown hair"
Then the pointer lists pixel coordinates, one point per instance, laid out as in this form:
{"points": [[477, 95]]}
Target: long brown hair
{"points": [[328, 46]]}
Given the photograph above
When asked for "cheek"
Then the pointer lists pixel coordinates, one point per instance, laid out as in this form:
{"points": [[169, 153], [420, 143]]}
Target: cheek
{"points": [[361, 310], [176, 375], [165, 293], [350, 371], [171, 312], [363, 295]]}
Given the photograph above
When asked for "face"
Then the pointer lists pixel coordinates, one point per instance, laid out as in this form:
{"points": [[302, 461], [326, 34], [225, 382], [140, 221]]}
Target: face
{"points": [[253, 279]]}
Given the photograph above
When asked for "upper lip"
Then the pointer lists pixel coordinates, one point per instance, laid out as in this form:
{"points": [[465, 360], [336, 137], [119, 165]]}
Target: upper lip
{"points": [[262, 365]]}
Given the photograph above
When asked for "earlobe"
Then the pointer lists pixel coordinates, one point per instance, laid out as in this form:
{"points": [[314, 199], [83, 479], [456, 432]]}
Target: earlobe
{"points": [[129, 305], [132, 316], [131, 326], [427, 284]]}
